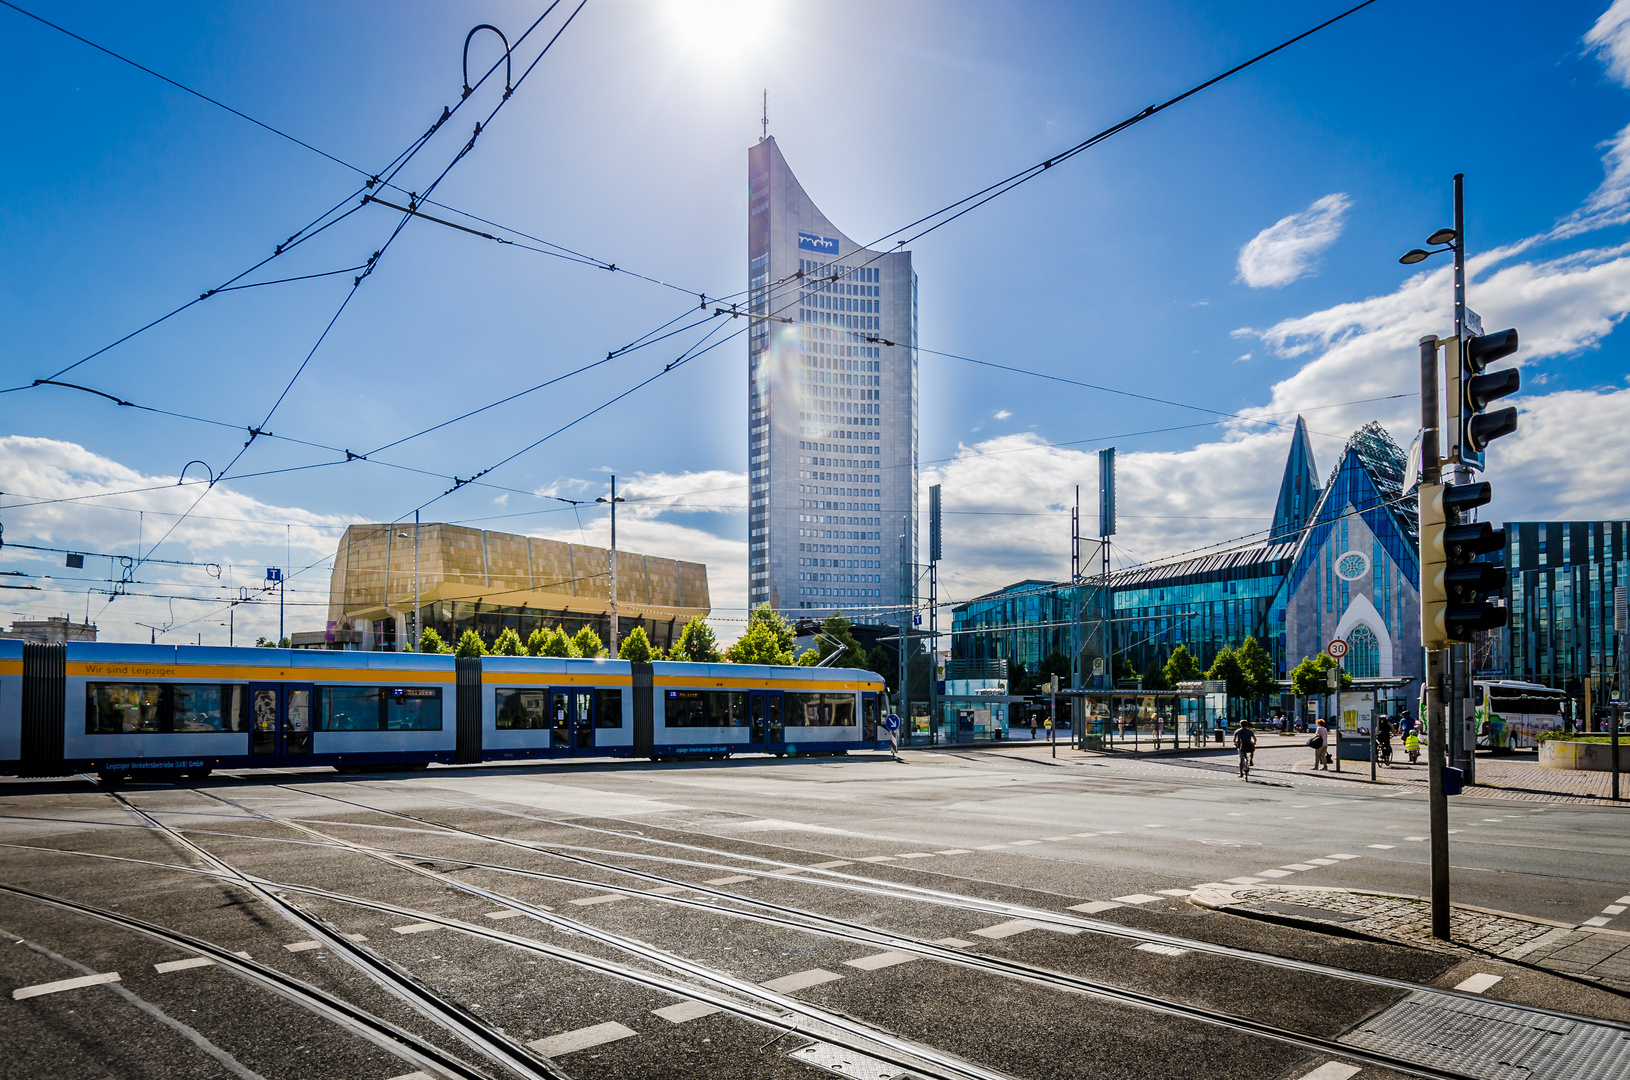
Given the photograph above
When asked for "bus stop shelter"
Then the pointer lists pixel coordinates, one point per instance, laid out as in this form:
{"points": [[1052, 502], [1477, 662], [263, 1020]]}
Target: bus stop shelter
{"points": [[1193, 715]]}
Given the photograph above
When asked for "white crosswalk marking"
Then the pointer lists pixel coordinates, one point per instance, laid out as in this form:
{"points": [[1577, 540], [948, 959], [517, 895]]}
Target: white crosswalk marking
{"points": [[800, 980], [415, 928], [1163, 950], [1478, 983], [1095, 906], [581, 1039], [182, 965], [1332, 1070], [22, 993], [590, 901], [303, 946], [685, 1012], [730, 880], [879, 960], [1006, 930], [1135, 898]]}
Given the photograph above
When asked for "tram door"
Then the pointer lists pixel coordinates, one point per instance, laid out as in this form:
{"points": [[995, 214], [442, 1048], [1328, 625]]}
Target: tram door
{"points": [[571, 715], [765, 712], [280, 723]]}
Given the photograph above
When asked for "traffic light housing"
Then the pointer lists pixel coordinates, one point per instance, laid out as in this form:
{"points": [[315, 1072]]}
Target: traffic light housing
{"points": [[1434, 587], [1475, 389], [1469, 584]]}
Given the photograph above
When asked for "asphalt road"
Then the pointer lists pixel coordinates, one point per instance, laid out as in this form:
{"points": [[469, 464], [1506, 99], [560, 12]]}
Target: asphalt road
{"points": [[960, 913]]}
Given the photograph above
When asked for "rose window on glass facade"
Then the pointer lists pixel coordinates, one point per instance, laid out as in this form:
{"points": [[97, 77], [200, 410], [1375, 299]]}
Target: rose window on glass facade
{"points": [[1352, 566]]}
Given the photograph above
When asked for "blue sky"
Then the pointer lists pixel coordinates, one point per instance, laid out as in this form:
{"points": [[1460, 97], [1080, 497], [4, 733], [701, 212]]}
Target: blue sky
{"points": [[1237, 253]]}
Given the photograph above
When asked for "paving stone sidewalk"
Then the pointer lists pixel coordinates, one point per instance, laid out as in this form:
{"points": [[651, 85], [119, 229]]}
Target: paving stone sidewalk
{"points": [[1600, 955]]}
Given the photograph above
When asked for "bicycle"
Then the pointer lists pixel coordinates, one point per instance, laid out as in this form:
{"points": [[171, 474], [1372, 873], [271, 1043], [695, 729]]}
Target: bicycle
{"points": [[1244, 763]]}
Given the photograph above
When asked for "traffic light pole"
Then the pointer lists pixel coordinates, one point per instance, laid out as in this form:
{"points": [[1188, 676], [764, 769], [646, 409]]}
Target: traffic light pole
{"points": [[1432, 682]]}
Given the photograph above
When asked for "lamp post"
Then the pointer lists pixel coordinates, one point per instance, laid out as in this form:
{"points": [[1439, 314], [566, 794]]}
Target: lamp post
{"points": [[413, 629], [613, 501]]}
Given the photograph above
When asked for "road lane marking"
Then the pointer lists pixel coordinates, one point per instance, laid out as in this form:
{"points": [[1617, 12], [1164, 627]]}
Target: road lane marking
{"points": [[1623, 900], [955, 851], [303, 946], [1245, 881], [581, 1039], [420, 1075], [1025, 843], [1340, 857], [1055, 839], [879, 960], [729, 880], [1210, 885], [590, 901], [1006, 929], [1084, 834], [355, 937], [1163, 950], [1332, 1070], [1383, 847], [415, 928], [1111, 832], [182, 965], [800, 869], [1135, 898], [1154, 826], [953, 943], [1415, 839], [1613, 909], [670, 889], [1273, 873], [1322, 862], [880, 858], [507, 914], [1599, 920], [1177, 892], [1297, 866], [834, 864], [991, 847], [1478, 983], [801, 980], [60, 985], [918, 855], [685, 1012], [1093, 907]]}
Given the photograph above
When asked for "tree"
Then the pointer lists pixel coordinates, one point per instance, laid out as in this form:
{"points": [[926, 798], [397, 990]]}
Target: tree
{"points": [[508, 644], [768, 639], [431, 642], [587, 644], [838, 629], [1124, 668], [1226, 669], [696, 643], [1254, 661], [636, 647], [1181, 667], [1019, 681], [535, 642], [1155, 677], [1054, 663], [268, 643], [469, 645], [552, 642], [1308, 678], [878, 661]]}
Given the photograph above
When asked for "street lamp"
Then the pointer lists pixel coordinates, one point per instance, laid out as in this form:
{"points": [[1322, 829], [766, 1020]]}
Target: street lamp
{"points": [[613, 501], [1446, 237]]}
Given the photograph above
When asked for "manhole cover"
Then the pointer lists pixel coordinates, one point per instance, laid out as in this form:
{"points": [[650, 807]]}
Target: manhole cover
{"points": [[1494, 1042]]}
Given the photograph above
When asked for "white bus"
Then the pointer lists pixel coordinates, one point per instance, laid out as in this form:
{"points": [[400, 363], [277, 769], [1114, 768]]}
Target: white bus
{"points": [[1511, 713]]}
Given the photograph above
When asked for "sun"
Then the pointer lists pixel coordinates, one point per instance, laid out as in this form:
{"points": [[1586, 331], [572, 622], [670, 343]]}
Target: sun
{"points": [[718, 30]]}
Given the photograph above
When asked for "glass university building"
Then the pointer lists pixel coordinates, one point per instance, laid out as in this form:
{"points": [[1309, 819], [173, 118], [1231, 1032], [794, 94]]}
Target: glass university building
{"points": [[831, 406], [1559, 603]]}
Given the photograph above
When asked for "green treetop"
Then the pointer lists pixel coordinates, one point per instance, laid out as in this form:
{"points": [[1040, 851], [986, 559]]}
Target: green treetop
{"points": [[1308, 678], [508, 643], [431, 642], [696, 643], [837, 628], [768, 639], [1226, 669], [1254, 661], [1181, 667], [469, 645], [587, 644], [1155, 677], [636, 647]]}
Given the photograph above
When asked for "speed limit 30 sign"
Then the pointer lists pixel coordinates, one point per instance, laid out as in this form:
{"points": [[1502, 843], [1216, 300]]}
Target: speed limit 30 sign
{"points": [[1337, 649]]}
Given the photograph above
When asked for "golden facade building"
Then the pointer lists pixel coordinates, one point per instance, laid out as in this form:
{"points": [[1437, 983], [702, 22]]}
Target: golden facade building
{"points": [[469, 579]]}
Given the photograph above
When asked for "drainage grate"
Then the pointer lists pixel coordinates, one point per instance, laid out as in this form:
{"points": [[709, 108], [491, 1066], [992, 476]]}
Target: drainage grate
{"points": [[1494, 1042], [836, 1059]]}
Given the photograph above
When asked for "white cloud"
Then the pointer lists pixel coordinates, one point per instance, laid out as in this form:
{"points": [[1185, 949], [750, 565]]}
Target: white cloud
{"points": [[1610, 40], [713, 491], [1609, 204], [1287, 249], [1002, 414], [1246, 356]]}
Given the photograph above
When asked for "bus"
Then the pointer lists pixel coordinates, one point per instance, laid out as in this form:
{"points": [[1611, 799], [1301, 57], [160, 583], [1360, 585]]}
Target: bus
{"points": [[1511, 713]]}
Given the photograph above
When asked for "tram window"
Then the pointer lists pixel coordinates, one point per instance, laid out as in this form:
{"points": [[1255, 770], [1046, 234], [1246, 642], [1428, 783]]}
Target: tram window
{"points": [[164, 708], [377, 708], [522, 709], [122, 708], [820, 710], [207, 708], [610, 711], [414, 708], [705, 708]]}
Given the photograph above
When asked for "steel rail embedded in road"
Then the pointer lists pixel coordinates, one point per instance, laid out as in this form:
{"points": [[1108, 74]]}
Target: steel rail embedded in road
{"points": [[381, 1033]]}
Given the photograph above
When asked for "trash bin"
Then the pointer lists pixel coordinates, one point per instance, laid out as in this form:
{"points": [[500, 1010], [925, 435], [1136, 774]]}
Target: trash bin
{"points": [[1453, 780]]}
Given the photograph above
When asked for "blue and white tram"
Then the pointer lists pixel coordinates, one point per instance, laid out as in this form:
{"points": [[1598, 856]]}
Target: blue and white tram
{"points": [[123, 710]]}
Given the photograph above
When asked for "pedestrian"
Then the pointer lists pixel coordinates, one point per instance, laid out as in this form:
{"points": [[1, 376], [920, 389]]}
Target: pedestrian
{"points": [[1320, 743], [1032, 725], [1412, 746]]}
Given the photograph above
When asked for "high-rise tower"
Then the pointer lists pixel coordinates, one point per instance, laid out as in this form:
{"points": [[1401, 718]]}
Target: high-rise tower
{"points": [[831, 408]]}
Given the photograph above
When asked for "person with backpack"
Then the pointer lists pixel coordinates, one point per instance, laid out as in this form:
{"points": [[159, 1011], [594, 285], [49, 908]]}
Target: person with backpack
{"points": [[1320, 743], [1412, 746], [1245, 743]]}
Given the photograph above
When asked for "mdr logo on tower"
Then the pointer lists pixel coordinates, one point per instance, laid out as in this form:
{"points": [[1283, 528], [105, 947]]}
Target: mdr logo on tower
{"points": [[826, 245]]}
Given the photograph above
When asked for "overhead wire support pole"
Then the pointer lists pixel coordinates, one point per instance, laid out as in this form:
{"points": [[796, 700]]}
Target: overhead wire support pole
{"points": [[1432, 685]]}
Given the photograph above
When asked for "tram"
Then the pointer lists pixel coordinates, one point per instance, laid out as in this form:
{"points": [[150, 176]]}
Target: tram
{"points": [[173, 711]]}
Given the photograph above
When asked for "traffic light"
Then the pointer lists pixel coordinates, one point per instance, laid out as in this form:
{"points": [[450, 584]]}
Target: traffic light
{"points": [[1477, 388], [1467, 583], [1434, 591]]}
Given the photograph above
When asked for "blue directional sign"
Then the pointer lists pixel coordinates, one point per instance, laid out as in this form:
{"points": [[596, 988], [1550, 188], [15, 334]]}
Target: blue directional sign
{"points": [[274, 573], [916, 620], [892, 721]]}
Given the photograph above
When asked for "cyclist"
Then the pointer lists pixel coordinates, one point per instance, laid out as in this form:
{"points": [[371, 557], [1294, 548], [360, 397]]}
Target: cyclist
{"points": [[1383, 738], [1245, 742]]}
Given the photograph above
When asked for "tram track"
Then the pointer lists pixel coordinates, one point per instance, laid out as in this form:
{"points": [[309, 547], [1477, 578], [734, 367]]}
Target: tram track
{"points": [[814, 922]]}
